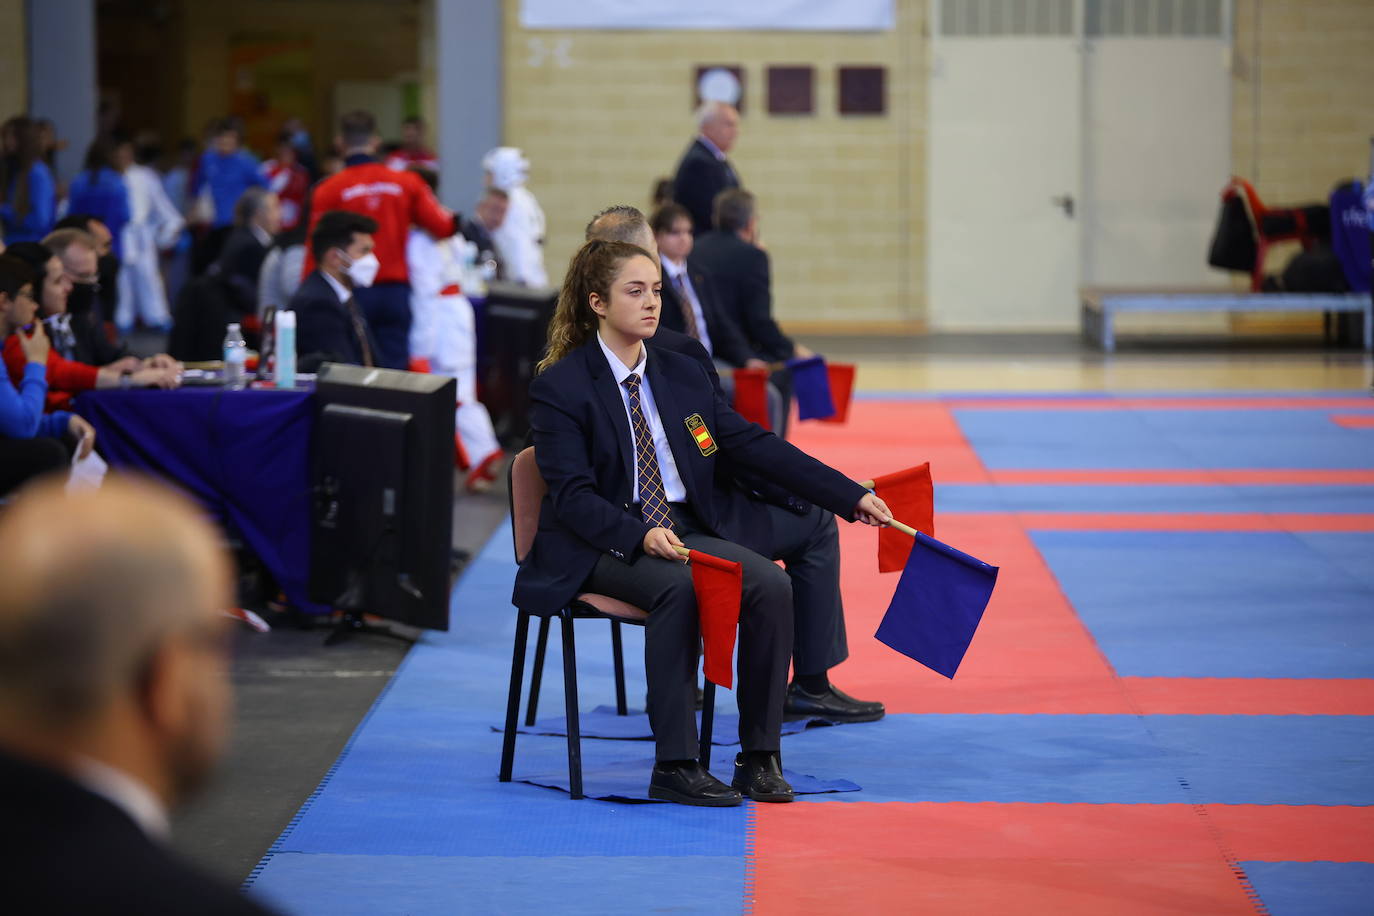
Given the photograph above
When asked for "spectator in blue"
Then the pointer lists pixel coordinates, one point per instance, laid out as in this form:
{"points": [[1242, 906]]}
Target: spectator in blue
{"points": [[99, 191], [227, 170], [31, 442], [28, 194]]}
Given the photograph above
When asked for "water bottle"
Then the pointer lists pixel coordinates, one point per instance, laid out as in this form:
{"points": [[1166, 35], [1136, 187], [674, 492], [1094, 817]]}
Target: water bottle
{"points": [[235, 355], [286, 349]]}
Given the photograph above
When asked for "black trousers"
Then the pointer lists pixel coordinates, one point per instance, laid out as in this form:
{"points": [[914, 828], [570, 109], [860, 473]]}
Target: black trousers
{"points": [[809, 546], [23, 459], [672, 638]]}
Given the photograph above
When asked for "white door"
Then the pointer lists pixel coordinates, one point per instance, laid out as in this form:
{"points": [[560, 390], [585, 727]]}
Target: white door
{"points": [[1158, 140], [1004, 165]]}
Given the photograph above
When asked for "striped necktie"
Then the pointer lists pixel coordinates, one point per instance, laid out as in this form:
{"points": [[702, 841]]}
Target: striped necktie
{"points": [[653, 501], [689, 316]]}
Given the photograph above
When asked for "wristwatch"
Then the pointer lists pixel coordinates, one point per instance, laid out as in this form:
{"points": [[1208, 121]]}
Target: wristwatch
{"points": [[126, 380]]}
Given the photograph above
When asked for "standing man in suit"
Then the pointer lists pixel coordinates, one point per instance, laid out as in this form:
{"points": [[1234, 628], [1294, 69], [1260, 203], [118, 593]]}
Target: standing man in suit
{"points": [[629, 440], [820, 641], [114, 697], [704, 171], [330, 327]]}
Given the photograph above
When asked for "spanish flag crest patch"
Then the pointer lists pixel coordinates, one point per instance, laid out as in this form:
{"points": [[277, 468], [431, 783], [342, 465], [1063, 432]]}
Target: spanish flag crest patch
{"points": [[696, 426]]}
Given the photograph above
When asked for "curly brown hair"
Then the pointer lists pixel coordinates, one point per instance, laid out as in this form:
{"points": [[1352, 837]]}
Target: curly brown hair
{"points": [[593, 269]]}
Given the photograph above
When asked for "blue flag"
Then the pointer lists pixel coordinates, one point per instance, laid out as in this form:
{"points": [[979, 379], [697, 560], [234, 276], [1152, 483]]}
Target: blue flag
{"points": [[811, 385], [938, 603]]}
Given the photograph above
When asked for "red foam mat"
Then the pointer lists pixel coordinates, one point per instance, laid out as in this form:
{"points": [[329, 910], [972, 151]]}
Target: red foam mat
{"points": [[1354, 421], [958, 857], [1250, 696]]}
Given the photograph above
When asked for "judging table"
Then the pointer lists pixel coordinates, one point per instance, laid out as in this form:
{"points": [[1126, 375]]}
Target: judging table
{"points": [[244, 454]]}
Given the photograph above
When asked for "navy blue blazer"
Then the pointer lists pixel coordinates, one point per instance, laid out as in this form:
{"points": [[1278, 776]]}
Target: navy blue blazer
{"points": [[586, 455], [324, 330], [727, 343], [700, 177]]}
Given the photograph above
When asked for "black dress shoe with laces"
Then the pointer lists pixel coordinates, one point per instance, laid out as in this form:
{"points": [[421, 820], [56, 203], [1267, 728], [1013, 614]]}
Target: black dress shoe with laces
{"points": [[759, 775], [687, 782], [834, 704]]}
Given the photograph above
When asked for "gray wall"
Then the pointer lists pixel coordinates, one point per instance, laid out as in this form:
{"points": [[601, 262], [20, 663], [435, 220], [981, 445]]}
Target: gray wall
{"points": [[62, 68], [468, 77]]}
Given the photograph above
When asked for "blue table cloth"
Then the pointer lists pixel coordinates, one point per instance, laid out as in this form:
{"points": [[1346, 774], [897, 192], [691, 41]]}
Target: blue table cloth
{"points": [[243, 454]]}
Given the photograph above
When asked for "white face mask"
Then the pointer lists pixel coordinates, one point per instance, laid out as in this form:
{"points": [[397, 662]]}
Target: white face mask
{"points": [[364, 270]]}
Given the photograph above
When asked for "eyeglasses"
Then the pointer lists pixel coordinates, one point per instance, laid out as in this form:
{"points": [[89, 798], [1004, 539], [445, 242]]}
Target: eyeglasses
{"points": [[91, 279]]}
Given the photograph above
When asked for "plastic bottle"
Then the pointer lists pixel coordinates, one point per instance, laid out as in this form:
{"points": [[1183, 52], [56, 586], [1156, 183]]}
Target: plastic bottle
{"points": [[235, 355], [286, 349]]}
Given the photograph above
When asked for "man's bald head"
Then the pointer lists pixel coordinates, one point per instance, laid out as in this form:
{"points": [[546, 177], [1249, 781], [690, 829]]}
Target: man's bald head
{"points": [[719, 123], [111, 629], [623, 223]]}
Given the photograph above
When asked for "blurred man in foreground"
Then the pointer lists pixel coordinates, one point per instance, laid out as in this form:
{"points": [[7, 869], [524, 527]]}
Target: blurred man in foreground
{"points": [[114, 698]]}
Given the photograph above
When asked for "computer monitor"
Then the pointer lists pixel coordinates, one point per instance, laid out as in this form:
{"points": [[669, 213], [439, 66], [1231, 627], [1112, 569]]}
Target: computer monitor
{"points": [[515, 330], [383, 483]]}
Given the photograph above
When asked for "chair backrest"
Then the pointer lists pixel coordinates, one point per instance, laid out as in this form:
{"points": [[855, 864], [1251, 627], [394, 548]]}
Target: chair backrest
{"points": [[527, 489]]}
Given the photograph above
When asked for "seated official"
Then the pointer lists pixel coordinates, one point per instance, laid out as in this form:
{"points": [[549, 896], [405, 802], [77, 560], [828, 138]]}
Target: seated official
{"points": [[31, 442], [330, 327], [67, 373], [114, 698], [257, 220], [628, 484], [802, 536]]}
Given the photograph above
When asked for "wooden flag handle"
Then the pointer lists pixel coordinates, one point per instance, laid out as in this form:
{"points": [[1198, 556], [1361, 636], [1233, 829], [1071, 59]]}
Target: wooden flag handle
{"points": [[683, 551], [903, 527], [868, 484]]}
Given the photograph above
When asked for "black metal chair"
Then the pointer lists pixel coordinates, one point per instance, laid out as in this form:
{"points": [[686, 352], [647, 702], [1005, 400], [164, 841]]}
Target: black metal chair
{"points": [[527, 489]]}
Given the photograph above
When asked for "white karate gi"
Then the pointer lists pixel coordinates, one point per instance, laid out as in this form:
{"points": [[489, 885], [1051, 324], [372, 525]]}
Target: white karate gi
{"points": [[154, 224]]}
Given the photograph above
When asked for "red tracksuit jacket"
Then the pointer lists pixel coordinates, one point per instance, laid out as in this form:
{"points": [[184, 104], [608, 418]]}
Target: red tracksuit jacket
{"points": [[394, 199]]}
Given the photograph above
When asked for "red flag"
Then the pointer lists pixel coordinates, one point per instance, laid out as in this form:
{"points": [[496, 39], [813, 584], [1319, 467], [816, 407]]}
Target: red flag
{"points": [[911, 499], [751, 395], [841, 390], [717, 584]]}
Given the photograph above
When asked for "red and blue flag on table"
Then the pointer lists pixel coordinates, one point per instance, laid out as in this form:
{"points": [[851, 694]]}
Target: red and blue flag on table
{"points": [[811, 388], [938, 604], [751, 396], [910, 496], [841, 390], [717, 584]]}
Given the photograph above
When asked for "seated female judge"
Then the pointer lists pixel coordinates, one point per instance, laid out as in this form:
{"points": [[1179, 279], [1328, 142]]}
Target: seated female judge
{"points": [[629, 440]]}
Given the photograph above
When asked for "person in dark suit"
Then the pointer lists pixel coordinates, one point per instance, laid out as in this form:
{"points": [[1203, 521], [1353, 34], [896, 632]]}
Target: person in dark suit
{"points": [[812, 563], [703, 171], [630, 440], [114, 698], [330, 326], [257, 220], [730, 253]]}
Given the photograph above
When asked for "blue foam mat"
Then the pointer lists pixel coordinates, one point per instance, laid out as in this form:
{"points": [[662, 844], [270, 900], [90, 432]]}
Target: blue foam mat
{"points": [[1313, 888], [1165, 439], [397, 885], [603, 722], [1156, 498], [1098, 759], [1222, 603], [628, 780]]}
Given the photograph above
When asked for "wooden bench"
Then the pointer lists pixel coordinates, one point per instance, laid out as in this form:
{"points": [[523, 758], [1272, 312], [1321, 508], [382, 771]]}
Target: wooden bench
{"points": [[1101, 305]]}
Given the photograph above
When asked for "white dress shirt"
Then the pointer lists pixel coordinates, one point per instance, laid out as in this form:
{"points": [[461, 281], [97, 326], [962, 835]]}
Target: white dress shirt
{"points": [[343, 292], [673, 488], [680, 270]]}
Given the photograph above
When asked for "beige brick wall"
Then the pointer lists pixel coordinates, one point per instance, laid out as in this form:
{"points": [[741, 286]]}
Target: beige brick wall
{"points": [[1303, 108], [14, 59], [841, 198]]}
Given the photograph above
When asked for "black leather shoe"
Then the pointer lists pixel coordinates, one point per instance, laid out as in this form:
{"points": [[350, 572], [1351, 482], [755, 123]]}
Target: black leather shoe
{"points": [[834, 704], [759, 776], [690, 783]]}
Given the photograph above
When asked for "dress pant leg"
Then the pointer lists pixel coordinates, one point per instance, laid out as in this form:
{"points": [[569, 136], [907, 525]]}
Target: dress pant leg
{"points": [[809, 546], [765, 639], [671, 636]]}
